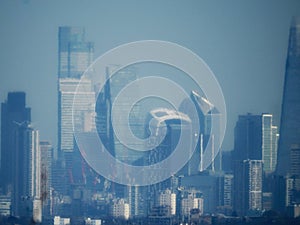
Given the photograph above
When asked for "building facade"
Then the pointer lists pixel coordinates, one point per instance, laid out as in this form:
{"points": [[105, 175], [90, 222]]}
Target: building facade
{"points": [[167, 198], [290, 120], [255, 148], [14, 113]]}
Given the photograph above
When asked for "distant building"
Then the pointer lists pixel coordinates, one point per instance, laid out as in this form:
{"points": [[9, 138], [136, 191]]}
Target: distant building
{"points": [[256, 139], [21, 158], [206, 182], [267, 200], [206, 113], [290, 111], [287, 170], [225, 196], [61, 221], [269, 143], [120, 209], [255, 149], [190, 202], [46, 175], [83, 109], [167, 198], [5, 205], [30, 197], [13, 114], [90, 221], [116, 81], [248, 193], [160, 215], [75, 54], [137, 200], [167, 126]]}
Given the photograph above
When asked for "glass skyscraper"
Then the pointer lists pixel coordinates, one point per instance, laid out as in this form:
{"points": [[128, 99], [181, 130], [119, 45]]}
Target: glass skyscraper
{"points": [[13, 113], [106, 98], [255, 150], [74, 56], [20, 158], [74, 53], [290, 119]]}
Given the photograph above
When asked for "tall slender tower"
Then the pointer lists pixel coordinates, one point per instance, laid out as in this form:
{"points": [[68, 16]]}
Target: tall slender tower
{"points": [[290, 119], [13, 113], [74, 56]]}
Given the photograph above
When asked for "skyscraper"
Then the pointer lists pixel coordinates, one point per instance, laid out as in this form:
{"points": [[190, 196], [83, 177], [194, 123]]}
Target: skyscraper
{"points": [[32, 179], [255, 145], [116, 81], [46, 175], [74, 56], [256, 139], [206, 113], [26, 185], [84, 106], [290, 111], [13, 114], [74, 53], [248, 195]]}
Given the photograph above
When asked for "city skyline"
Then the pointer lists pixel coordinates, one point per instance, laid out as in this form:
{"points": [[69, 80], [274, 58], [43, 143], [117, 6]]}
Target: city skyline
{"points": [[138, 131], [223, 45]]}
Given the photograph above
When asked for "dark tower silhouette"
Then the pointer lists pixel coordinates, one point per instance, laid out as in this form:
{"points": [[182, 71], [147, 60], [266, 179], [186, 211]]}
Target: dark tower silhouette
{"points": [[14, 113], [290, 119]]}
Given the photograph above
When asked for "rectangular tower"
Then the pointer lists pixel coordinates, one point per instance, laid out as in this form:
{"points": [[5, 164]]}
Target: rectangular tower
{"points": [[74, 56], [13, 113], [74, 53]]}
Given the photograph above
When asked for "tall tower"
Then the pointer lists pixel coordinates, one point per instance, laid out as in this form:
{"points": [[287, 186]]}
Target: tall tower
{"points": [[13, 113], [205, 113], [26, 185], [74, 53], [74, 56], [255, 145], [46, 175], [290, 120]]}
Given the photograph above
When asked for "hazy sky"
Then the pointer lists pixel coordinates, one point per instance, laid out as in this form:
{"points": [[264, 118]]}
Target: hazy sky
{"points": [[243, 42]]}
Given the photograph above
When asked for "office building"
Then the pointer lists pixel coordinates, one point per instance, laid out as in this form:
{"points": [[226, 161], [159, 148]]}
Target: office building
{"points": [[83, 108], [116, 81], [75, 54], [206, 113], [14, 113], [90, 221], [26, 187], [61, 221], [206, 186], [46, 175], [225, 188], [167, 198], [137, 200], [120, 209], [5, 205], [192, 200], [255, 139], [248, 189]]}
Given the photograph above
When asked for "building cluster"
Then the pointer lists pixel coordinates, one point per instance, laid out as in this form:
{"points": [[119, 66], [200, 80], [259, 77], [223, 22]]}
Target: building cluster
{"points": [[43, 183]]}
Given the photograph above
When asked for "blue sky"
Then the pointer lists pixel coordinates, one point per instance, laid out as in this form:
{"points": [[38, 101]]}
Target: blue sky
{"points": [[243, 42]]}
